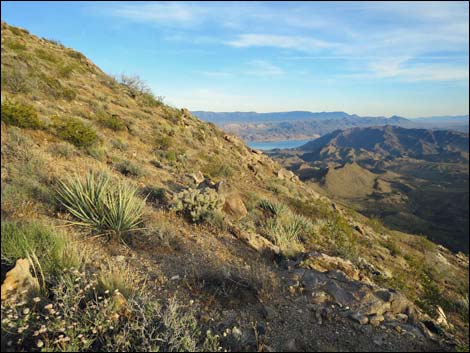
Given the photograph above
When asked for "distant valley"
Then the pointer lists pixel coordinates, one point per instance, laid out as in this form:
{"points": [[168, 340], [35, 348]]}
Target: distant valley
{"points": [[302, 125], [412, 179]]}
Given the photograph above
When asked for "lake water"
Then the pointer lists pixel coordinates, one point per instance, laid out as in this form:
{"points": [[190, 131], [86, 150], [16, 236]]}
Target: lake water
{"points": [[276, 144]]}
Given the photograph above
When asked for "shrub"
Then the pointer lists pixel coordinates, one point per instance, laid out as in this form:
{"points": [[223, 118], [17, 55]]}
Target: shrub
{"points": [[275, 209], [119, 144], [340, 237], [15, 45], [68, 94], [21, 115], [46, 55], [97, 203], [75, 54], [63, 149], [110, 121], [33, 239], [163, 142], [16, 81], [197, 204], [217, 169], [74, 131], [84, 319], [128, 168], [285, 228]]}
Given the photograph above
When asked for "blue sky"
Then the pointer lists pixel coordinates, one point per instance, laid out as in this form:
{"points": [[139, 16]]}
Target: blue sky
{"points": [[367, 58]]}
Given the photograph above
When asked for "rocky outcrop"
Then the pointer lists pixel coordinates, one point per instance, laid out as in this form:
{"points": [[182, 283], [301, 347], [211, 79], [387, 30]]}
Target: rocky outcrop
{"points": [[19, 283], [234, 206], [255, 241]]}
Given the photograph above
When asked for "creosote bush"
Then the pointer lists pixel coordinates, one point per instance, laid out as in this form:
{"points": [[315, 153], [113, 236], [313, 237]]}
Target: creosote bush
{"points": [[197, 204], [74, 131], [102, 205], [21, 115], [110, 121]]}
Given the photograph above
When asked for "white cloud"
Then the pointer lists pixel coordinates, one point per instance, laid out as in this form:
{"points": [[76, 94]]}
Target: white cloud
{"points": [[264, 68], [278, 41]]}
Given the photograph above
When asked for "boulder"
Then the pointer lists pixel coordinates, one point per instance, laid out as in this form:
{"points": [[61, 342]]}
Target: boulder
{"points": [[234, 206], [255, 241], [323, 263], [285, 174], [19, 282]]}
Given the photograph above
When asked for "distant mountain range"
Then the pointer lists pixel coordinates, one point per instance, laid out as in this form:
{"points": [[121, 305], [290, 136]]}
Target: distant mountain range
{"points": [[414, 179], [252, 126]]}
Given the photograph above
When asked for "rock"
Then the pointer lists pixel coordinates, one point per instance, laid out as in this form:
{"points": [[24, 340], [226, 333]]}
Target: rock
{"points": [[119, 307], [359, 229], [401, 317], [384, 295], [285, 174], [19, 282], [389, 317], [362, 319], [375, 320], [237, 333], [323, 263], [197, 177], [255, 241], [269, 313], [175, 278], [234, 206], [290, 346], [441, 317], [320, 297]]}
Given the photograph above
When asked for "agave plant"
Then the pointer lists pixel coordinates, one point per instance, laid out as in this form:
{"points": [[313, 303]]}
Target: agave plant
{"points": [[99, 204]]}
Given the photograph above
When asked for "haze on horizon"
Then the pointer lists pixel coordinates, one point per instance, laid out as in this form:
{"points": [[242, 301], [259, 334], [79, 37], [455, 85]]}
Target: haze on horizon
{"points": [[367, 58]]}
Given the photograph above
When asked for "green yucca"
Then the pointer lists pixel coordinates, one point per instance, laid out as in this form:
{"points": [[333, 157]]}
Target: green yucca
{"points": [[99, 204], [275, 208]]}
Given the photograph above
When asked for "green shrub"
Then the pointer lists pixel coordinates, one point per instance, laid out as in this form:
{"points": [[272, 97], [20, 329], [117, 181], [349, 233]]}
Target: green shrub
{"points": [[65, 70], [197, 204], [154, 194], [99, 204], [217, 169], [16, 81], [63, 149], [163, 142], [15, 45], [68, 94], [47, 55], [18, 31], [33, 239], [21, 115], [76, 55], [285, 228], [74, 131], [110, 121], [119, 144], [392, 246], [340, 238], [128, 168]]}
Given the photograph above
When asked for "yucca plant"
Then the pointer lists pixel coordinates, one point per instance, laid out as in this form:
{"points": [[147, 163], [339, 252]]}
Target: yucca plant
{"points": [[97, 203], [275, 208]]}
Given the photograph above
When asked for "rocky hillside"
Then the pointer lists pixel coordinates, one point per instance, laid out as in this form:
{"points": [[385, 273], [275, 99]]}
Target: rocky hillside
{"points": [[389, 142], [130, 225]]}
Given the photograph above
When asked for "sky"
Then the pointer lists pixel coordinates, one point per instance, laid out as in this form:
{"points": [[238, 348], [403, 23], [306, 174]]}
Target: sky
{"points": [[368, 58]]}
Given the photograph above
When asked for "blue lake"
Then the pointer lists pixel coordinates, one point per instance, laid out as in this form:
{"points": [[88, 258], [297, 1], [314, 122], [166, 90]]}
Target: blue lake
{"points": [[276, 144]]}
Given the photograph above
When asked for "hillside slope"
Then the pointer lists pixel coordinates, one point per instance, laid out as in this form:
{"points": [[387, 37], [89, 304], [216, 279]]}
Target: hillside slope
{"points": [[230, 252]]}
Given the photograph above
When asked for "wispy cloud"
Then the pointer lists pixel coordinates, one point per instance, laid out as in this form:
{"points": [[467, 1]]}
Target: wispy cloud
{"points": [[264, 68], [279, 41]]}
